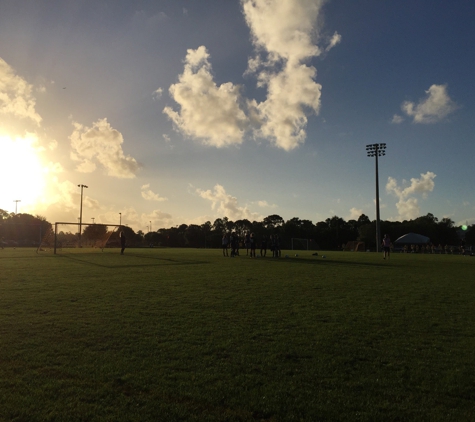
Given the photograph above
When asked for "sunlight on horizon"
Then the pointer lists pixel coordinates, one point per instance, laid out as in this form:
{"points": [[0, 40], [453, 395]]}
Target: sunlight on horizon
{"points": [[22, 172]]}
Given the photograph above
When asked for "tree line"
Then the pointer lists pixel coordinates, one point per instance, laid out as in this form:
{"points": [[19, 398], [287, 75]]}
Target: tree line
{"points": [[331, 234], [22, 229]]}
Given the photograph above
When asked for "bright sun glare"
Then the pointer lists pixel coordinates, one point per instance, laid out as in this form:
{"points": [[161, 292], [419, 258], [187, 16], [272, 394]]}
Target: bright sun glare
{"points": [[23, 176]]}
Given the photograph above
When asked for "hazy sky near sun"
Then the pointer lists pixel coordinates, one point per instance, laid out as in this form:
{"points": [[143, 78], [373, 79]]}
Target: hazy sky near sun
{"points": [[183, 111]]}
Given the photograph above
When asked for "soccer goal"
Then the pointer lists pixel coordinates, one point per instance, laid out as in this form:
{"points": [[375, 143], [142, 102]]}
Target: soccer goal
{"points": [[354, 246], [299, 244], [67, 236]]}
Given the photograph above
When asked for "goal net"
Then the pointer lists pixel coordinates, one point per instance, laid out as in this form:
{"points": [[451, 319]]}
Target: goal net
{"points": [[298, 244], [354, 246], [65, 237]]}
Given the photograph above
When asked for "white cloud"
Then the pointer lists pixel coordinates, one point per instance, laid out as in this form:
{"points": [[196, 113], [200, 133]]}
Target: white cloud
{"points": [[159, 219], [408, 206], [130, 217], [53, 168], [149, 195], [265, 204], [207, 112], [284, 28], [62, 197], [226, 205], [157, 93], [435, 107], [283, 31], [53, 144], [101, 144], [16, 97], [355, 213], [397, 119], [335, 39], [144, 22]]}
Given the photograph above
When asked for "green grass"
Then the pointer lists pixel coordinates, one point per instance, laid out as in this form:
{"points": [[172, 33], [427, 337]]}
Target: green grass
{"points": [[175, 335]]}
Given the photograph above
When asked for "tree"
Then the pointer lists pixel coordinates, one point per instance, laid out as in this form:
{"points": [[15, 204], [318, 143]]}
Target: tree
{"points": [[273, 221], [219, 226], [194, 236], [470, 236], [94, 233], [363, 219], [24, 229], [206, 229], [242, 226]]}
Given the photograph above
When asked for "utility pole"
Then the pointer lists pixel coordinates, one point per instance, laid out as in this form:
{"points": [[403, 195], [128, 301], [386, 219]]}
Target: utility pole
{"points": [[16, 204], [80, 213]]}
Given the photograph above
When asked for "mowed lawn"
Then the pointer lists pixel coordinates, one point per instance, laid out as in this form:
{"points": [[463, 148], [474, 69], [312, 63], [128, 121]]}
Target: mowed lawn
{"points": [[187, 335]]}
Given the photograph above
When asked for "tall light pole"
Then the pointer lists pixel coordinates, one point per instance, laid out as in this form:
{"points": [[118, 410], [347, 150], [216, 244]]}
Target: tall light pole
{"points": [[120, 219], [92, 218], [377, 150], [150, 226], [80, 213], [16, 204]]}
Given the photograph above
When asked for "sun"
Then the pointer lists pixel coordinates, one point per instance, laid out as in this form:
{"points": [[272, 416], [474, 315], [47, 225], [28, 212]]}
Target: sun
{"points": [[22, 173]]}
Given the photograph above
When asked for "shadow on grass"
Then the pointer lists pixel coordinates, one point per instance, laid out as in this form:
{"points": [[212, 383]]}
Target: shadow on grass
{"points": [[161, 261], [327, 261]]}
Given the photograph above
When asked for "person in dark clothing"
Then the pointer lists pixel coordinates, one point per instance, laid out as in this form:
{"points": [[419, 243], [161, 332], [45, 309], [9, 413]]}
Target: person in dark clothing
{"points": [[264, 245], [252, 240], [122, 242]]}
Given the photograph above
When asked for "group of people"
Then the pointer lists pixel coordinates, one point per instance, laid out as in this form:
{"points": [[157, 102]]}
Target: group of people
{"points": [[234, 242], [433, 249], [427, 248]]}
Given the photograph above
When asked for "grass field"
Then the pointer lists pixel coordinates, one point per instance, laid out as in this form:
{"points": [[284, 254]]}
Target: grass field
{"points": [[187, 335]]}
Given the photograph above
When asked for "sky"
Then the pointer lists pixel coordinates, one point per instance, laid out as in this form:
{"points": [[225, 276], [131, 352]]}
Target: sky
{"points": [[185, 111]]}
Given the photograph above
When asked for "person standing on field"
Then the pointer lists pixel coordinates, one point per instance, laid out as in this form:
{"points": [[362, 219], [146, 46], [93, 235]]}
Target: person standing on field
{"points": [[122, 242], [264, 245], [386, 246], [252, 240], [225, 242], [247, 241]]}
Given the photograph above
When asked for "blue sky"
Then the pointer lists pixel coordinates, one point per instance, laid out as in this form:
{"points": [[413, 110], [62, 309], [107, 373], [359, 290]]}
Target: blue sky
{"points": [[186, 111]]}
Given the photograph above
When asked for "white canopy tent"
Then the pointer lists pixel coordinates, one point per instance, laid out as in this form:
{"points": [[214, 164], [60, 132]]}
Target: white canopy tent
{"points": [[413, 239]]}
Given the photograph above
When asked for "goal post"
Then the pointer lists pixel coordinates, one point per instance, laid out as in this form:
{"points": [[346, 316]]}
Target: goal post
{"points": [[299, 244], [67, 236]]}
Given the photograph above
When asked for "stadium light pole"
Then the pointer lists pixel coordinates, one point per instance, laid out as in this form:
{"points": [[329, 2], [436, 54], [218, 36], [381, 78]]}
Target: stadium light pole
{"points": [[150, 226], [80, 213], [120, 219], [376, 150], [16, 204], [92, 218]]}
